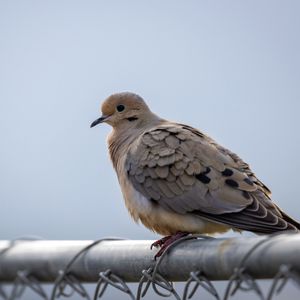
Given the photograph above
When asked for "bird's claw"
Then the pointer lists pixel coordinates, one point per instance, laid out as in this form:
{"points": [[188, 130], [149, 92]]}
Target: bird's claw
{"points": [[160, 242], [165, 242]]}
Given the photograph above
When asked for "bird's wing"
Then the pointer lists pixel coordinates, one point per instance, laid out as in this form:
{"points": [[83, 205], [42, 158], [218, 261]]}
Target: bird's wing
{"points": [[185, 171]]}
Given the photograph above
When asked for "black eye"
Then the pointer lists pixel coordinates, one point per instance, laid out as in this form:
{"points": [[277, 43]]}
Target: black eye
{"points": [[120, 107]]}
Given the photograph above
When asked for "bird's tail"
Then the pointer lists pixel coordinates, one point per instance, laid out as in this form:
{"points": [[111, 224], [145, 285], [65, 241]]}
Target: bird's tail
{"points": [[291, 221]]}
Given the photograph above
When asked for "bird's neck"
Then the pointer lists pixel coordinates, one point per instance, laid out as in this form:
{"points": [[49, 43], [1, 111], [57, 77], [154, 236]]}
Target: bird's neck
{"points": [[120, 140]]}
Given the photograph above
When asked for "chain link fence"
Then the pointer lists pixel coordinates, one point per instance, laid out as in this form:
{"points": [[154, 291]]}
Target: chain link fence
{"points": [[112, 263]]}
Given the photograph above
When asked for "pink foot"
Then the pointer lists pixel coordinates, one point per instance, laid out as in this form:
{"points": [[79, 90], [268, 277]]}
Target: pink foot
{"points": [[160, 242], [166, 241]]}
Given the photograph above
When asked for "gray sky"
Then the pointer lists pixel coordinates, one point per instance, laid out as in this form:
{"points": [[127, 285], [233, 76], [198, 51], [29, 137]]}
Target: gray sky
{"points": [[230, 68]]}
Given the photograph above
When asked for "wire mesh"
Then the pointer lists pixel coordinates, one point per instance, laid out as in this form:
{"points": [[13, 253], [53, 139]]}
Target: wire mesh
{"points": [[67, 284]]}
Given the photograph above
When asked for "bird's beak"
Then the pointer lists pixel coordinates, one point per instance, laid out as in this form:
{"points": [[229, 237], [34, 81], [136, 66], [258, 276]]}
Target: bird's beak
{"points": [[99, 120]]}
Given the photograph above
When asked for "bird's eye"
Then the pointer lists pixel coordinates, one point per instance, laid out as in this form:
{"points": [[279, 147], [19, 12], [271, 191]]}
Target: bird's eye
{"points": [[120, 107]]}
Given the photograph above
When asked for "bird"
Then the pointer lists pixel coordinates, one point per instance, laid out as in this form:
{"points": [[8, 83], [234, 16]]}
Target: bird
{"points": [[176, 180]]}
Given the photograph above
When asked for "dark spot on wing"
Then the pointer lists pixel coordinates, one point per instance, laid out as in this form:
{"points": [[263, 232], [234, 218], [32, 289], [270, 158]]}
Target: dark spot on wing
{"points": [[227, 172], [247, 180], [206, 171], [203, 178], [232, 183], [153, 201]]}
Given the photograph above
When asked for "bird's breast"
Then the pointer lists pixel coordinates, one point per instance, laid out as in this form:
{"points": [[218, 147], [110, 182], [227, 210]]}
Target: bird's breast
{"points": [[137, 204]]}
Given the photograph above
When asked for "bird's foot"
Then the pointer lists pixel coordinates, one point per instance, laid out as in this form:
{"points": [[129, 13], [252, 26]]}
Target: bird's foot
{"points": [[166, 241], [160, 242]]}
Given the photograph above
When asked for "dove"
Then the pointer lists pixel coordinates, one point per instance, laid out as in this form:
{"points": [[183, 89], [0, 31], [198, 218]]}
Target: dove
{"points": [[176, 180]]}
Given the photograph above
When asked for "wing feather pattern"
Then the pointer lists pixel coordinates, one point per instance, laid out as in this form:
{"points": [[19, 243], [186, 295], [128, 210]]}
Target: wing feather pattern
{"points": [[185, 171]]}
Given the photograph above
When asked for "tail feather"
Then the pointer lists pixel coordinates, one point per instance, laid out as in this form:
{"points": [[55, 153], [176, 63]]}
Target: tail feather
{"points": [[290, 220]]}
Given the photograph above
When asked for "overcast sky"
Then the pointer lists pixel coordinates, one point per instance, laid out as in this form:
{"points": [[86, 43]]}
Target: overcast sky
{"points": [[230, 68]]}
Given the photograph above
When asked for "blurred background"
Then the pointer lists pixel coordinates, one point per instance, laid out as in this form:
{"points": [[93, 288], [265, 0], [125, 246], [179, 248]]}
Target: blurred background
{"points": [[229, 68]]}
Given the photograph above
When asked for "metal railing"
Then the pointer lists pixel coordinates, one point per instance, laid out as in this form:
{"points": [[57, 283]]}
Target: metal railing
{"points": [[109, 262]]}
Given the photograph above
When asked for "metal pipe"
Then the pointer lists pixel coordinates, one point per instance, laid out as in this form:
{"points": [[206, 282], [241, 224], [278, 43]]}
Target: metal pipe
{"points": [[217, 258]]}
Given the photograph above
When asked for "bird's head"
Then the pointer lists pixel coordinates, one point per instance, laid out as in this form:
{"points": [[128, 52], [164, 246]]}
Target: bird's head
{"points": [[124, 110]]}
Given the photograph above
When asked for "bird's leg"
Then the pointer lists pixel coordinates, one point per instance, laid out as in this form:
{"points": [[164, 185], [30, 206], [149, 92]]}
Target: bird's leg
{"points": [[166, 241], [160, 242]]}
